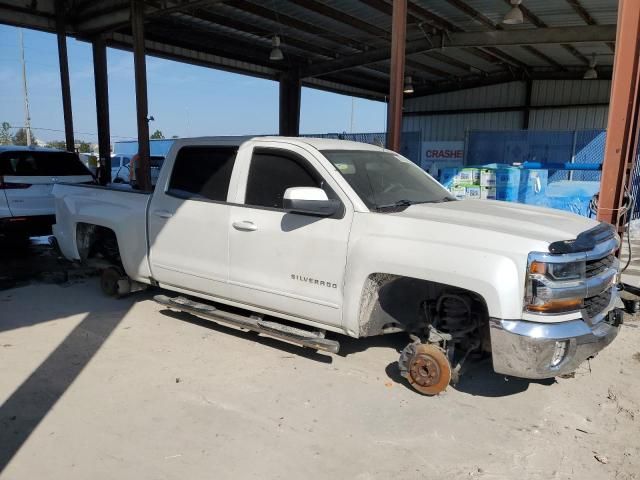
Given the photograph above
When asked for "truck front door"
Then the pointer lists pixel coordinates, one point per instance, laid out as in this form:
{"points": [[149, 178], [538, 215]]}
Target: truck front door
{"points": [[189, 220], [281, 261]]}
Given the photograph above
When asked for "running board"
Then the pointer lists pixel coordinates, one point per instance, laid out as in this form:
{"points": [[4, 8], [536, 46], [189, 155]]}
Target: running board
{"points": [[305, 338]]}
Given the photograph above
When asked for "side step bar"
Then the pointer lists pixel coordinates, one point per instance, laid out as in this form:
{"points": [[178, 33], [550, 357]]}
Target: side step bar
{"points": [[305, 338]]}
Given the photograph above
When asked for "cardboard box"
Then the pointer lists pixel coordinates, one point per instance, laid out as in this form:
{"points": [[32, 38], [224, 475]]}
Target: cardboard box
{"points": [[459, 192], [487, 178], [487, 193], [473, 192], [468, 177]]}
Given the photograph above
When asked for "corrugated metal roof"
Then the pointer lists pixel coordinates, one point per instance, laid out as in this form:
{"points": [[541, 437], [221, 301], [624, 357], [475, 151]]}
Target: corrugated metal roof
{"points": [[314, 32]]}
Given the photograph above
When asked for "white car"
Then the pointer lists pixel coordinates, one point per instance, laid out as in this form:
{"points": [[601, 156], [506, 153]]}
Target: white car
{"points": [[310, 236], [120, 168], [27, 176]]}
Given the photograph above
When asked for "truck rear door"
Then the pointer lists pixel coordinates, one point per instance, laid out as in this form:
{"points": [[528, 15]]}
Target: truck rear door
{"points": [[188, 220], [287, 262]]}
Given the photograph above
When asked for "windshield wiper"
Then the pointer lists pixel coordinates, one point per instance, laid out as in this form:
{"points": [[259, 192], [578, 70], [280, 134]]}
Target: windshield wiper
{"points": [[399, 203], [408, 203]]}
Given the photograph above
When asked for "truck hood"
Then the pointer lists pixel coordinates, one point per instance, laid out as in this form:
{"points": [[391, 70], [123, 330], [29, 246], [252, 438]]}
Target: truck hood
{"points": [[516, 219]]}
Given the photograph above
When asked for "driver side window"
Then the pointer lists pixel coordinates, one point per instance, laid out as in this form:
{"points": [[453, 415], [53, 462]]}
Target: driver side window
{"points": [[272, 172]]}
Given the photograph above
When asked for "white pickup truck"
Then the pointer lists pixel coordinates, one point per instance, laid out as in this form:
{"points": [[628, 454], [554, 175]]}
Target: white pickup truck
{"points": [[297, 237]]}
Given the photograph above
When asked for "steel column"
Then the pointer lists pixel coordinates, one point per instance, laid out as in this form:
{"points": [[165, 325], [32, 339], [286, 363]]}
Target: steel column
{"points": [[64, 74], [622, 127], [143, 173], [289, 115], [102, 106], [396, 82]]}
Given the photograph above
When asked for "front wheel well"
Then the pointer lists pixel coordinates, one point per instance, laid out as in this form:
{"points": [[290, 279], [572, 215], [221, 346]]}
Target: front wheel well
{"points": [[398, 303]]}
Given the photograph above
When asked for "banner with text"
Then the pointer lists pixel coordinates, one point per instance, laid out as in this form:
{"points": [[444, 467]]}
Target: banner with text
{"points": [[438, 155]]}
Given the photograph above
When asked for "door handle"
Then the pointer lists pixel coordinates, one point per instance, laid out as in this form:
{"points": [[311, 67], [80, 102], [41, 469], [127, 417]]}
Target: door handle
{"points": [[245, 226], [163, 213]]}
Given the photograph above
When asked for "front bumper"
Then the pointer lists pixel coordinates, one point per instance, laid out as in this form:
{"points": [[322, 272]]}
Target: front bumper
{"points": [[526, 349]]}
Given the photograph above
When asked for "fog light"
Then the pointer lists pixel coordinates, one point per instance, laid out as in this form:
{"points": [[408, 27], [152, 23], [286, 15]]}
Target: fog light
{"points": [[559, 353]]}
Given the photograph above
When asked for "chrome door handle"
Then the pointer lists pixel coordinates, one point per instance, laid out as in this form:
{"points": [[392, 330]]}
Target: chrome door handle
{"points": [[163, 213], [245, 226]]}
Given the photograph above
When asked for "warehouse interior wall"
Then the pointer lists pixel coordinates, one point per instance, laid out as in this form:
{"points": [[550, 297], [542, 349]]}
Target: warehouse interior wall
{"points": [[554, 105]]}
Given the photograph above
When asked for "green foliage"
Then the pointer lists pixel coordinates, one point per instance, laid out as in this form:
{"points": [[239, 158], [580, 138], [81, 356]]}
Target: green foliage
{"points": [[59, 144], [84, 147], [5, 133], [157, 135], [20, 137]]}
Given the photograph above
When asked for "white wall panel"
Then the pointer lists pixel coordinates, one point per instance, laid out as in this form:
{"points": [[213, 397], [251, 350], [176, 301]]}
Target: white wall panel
{"points": [[454, 127], [513, 94]]}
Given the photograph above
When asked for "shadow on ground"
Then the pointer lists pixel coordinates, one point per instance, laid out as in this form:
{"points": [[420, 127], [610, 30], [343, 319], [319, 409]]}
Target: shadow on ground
{"points": [[26, 262]]}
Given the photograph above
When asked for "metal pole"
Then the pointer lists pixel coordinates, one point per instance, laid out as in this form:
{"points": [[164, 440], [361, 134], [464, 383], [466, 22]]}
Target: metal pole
{"points": [[622, 127], [27, 115], [396, 82], [290, 91], [102, 106], [143, 172], [64, 75]]}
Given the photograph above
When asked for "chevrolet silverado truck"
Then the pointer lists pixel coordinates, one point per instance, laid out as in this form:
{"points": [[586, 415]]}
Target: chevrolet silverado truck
{"points": [[298, 237]]}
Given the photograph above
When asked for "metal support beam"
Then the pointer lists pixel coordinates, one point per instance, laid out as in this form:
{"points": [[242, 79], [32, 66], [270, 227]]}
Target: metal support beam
{"points": [[538, 36], [102, 107], [289, 115], [526, 114], [143, 172], [396, 82], [64, 75], [622, 128]]}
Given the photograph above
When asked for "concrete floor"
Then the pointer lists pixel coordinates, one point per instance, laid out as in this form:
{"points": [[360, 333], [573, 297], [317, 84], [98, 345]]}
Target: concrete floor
{"points": [[92, 387]]}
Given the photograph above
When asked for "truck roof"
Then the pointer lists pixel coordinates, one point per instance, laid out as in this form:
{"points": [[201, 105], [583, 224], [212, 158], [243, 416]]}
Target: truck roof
{"points": [[317, 143]]}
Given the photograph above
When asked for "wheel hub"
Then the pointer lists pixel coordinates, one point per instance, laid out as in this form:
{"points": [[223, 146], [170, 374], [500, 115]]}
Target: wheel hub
{"points": [[428, 370]]}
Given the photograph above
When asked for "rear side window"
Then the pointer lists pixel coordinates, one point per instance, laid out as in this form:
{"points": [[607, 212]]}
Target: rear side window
{"points": [[272, 172], [202, 172], [34, 163]]}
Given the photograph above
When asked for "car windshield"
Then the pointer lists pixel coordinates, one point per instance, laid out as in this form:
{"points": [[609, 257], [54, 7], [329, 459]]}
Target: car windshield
{"points": [[384, 179]]}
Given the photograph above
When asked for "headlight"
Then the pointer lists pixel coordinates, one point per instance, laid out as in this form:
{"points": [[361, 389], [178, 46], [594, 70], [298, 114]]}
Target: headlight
{"points": [[554, 287]]}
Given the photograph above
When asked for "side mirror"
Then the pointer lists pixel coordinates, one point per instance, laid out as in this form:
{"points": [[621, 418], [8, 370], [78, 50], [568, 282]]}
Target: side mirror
{"points": [[309, 201]]}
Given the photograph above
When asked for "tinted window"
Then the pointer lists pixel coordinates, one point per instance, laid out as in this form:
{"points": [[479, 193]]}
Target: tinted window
{"points": [[271, 173], [34, 163], [203, 172]]}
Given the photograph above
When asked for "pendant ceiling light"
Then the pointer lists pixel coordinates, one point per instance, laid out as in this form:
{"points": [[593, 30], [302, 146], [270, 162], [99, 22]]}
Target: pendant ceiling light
{"points": [[276, 52], [408, 85], [514, 16]]}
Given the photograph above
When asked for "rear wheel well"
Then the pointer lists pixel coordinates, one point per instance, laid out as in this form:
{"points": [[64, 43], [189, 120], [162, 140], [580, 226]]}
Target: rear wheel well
{"points": [[97, 242]]}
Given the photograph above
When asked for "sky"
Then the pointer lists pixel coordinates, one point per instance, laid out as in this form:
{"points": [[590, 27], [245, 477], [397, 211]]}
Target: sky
{"points": [[184, 100]]}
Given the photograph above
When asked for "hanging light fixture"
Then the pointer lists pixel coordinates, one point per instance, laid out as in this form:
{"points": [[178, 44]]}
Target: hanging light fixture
{"points": [[591, 73], [276, 52], [408, 85], [514, 16]]}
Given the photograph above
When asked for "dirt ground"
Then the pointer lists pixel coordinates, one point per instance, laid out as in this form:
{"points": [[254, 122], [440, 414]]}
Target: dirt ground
{"points": [[92, 387]]}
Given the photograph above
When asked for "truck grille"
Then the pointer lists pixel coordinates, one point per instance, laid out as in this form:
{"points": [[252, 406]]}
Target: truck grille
{"points": [[594, 305], [596, 267]]}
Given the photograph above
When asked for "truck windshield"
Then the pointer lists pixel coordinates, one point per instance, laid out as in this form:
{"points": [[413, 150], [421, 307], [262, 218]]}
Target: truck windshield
{"points": [[385, 180]]}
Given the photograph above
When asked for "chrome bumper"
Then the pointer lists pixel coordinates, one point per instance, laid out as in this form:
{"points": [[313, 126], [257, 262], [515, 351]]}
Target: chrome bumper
{"points": [[526, 349]]}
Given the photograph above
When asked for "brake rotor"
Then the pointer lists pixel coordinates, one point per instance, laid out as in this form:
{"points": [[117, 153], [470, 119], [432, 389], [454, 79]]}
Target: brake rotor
{"points": [[429, 370]]}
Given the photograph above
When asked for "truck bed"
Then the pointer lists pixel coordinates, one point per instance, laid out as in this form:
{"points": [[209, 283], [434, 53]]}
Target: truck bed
{"points": [[118, 208]]}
